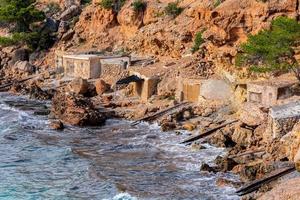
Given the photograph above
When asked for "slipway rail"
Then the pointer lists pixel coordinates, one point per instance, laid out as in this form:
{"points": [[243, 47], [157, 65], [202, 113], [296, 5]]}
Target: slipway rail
{"points": [[207, 133], [160, 113], [255, 185]]}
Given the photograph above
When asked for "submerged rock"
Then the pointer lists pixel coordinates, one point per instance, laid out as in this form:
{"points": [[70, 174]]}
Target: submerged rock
{"points": [[76, 110], [57, 125]]}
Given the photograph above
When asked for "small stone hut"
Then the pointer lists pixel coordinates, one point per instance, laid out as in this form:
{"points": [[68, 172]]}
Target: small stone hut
{"points": [[195, 90], [84, 66], [89, 66], [269, 92], [146, 87], [189, 89], [282, 118]]}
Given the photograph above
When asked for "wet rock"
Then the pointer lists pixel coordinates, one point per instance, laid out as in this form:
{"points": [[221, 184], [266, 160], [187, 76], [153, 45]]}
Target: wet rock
{"points": [[225, 164], [101, 86], [57, 125], [196, 146], [79, 86], [220, 139], [76, 110], [18, 88], [35, 92], [222, 182], [42, 112], [168, 126], [242, 136], [252, 115], [205, 167]]}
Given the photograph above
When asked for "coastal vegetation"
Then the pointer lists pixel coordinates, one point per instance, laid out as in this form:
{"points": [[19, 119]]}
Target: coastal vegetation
{"points": [[25, 22], [197, 42], [272, 50], [173, 9], [139, 5]]}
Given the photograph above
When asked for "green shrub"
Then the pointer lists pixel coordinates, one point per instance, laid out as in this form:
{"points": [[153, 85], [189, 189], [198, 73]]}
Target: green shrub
{"points": [[112, 4], [23, 15], [139, 5], [84, 2], [20, 12], [272, 50], [7, 41], [197, 42], [217, 3], [173, 10], [107, 4]]}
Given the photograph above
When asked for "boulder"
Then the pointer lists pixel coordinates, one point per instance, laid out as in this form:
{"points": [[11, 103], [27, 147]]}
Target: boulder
{"points": [[251, 114], [242, 136], [189, 126], [167, 126], [76, 110], [24, 66], [101, 86], [290, 143], [213, 89], [51, 25], [79, 86], [70, 12]]}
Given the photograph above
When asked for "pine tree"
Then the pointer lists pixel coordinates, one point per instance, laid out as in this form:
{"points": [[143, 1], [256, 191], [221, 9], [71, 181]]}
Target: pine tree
{"points": [[272, 50], [23, 15]]}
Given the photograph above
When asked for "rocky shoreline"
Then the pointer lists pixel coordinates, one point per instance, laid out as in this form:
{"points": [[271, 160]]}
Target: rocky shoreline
{"points": [[81, 103]]}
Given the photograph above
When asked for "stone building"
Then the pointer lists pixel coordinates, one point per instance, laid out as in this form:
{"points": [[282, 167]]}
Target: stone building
{"points": [[195, 90], [84, 66], [189, 89], [269, 93], [146, 87], [282, 119], [89, 66]]}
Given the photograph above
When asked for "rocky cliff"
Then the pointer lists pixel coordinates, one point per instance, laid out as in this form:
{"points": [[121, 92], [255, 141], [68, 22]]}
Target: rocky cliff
{"points": [[151, 32]]}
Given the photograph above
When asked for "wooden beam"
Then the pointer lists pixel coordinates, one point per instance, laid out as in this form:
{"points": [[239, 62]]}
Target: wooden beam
{"points": [[158, 114], [255, 185], [207, 133]]}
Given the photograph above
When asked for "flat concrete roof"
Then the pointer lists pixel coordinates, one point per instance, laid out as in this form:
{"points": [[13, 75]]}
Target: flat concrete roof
{"points": [[88, 56], [80, 56], [278, 82], [286, 111]]}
